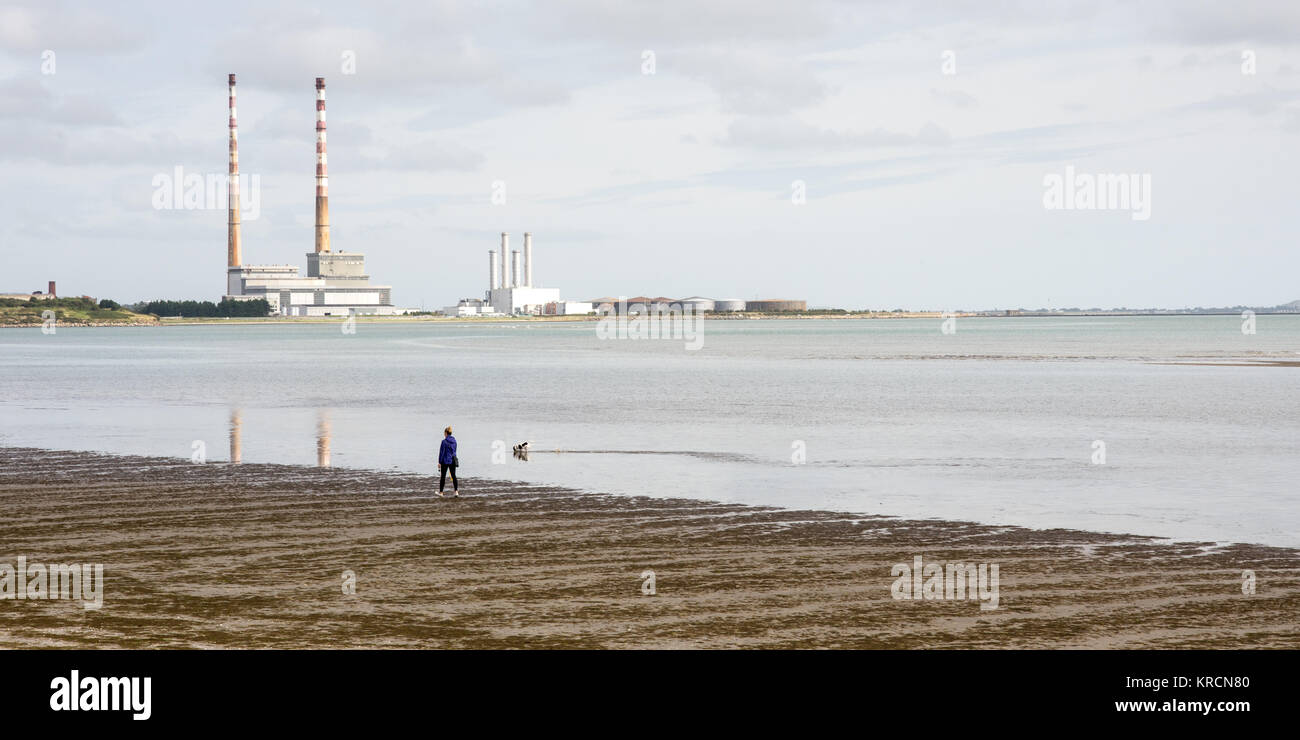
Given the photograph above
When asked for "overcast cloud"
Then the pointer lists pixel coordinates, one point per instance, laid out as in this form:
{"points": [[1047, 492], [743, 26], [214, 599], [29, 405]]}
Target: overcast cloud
{"points": [[923, 189]]}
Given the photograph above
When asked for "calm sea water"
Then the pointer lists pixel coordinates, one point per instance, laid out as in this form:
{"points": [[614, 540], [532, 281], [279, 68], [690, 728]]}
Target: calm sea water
{"points": [[995, 423]]}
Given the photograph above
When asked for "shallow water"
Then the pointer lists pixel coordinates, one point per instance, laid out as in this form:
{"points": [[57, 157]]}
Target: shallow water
{"points": [[995, 423]]}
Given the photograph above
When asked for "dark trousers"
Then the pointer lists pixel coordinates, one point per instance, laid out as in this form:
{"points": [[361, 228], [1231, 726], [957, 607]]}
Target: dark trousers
{"points": [[442, 480]]}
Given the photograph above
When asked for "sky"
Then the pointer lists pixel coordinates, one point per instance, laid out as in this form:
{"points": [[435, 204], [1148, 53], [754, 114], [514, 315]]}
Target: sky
{"points": [[852, 154]]}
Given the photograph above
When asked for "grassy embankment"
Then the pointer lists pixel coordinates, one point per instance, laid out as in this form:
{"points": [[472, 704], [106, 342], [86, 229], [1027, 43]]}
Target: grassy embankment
{"points": [[67, 312]]}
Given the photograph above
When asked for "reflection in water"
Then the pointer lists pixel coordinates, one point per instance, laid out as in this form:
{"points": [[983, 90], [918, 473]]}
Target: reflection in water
{"points": [[236, 430], [521, 454], [323, 433], [323, 440]]}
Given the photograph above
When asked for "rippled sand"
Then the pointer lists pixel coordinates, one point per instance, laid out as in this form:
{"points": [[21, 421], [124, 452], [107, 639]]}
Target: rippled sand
{"points": [[252, 556]]}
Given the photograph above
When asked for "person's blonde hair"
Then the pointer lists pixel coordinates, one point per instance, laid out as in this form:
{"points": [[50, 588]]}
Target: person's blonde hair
{"points": [[447, 430]]}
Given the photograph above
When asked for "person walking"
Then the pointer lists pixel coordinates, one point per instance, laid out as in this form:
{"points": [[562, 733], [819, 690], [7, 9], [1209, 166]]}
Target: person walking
{"points": [[447, 461]]}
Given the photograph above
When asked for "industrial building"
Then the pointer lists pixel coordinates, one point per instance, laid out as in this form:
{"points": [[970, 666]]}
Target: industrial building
{"points": [[568, 308], [510, 281], [694, 304], [471, 307], [776, 305], [336, 283], [698, 304]]}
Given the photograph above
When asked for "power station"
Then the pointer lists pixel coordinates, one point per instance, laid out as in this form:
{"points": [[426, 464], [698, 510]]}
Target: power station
{"points": [[510, 287], [512, 290], [336, 283]]}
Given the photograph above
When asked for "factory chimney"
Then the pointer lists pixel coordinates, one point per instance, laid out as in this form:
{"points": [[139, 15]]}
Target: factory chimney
{"points": [[505, 260], [232, 189], [514, 269], [528, 260], [493, 273], [322, 180], [51, 291]]}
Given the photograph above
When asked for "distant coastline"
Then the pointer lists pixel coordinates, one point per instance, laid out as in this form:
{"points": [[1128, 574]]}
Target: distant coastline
{"points": [[148, 320]]}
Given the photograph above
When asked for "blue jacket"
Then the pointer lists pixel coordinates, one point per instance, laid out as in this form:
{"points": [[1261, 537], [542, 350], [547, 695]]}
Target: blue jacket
{"points": [[448, 451]]}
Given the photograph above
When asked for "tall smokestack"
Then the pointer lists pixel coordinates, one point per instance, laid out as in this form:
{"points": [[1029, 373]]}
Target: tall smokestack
{"points": [[493, 272], [233, 258], [51, 291], [514, 269], [505, 260], [528, 260], [322, 180]]}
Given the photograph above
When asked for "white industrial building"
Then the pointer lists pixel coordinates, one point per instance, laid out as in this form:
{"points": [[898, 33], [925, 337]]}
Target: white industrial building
{"points": [[471, 307], [569, 308], [697, 304], [510, 281], [336, 285]]}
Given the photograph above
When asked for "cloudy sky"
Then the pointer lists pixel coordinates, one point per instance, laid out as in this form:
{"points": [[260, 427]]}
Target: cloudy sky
{"points": [[921, 135]]}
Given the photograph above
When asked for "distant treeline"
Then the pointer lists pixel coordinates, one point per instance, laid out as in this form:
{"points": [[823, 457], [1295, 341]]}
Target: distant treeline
{"points": [[41, 301], [190, 309]]}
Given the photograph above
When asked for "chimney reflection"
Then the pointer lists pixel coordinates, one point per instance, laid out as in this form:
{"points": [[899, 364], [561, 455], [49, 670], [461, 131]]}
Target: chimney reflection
{"points": [[236, 434], [323, 440]]}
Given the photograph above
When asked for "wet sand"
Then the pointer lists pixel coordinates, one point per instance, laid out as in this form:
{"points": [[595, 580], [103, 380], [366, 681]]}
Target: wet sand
{"points": [[252, 556]]}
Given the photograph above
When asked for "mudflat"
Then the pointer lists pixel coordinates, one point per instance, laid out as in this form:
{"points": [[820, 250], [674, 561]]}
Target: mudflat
{"points": [[257, 556]]}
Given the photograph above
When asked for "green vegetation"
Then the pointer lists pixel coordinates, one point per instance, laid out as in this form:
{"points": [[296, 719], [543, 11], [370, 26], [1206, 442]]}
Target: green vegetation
{"points": [[207, 309], [30, 312]]}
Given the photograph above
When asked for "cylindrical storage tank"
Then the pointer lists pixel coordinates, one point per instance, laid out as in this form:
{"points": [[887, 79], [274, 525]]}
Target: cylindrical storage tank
{"points": [[729, 304], [697, 304], [776, 305]]}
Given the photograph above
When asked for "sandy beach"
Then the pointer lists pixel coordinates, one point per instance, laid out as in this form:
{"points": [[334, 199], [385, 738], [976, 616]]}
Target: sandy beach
{"points": [[253, 556]]}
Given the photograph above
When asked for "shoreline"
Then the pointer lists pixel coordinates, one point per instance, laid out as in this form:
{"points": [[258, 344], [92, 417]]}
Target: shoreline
{"points": [[739, 316], [251, 556]]}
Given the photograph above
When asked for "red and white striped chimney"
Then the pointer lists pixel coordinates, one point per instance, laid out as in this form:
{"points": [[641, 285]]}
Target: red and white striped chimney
{"points": [[322, 180], [232, 188]]}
